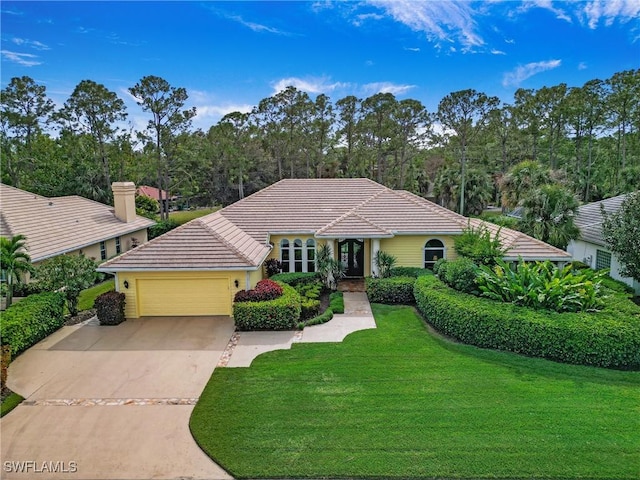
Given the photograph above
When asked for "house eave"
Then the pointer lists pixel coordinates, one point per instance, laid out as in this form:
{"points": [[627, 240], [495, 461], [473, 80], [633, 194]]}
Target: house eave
{"points": [[177, 269]]}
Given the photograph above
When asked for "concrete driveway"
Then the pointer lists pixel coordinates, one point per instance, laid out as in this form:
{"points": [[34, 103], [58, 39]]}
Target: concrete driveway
{"points": [[113, 402]]}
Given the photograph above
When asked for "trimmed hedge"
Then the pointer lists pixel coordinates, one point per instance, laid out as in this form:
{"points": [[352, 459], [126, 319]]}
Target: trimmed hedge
{"points": [[390, 290], [110, 308], [281, 313], [336, 302], [609, 338], [296, 278], [265, 290], [27, 322], [414, 272]]}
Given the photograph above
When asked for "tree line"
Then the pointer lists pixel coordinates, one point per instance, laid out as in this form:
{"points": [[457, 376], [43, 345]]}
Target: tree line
{"points": [[466, 155]]}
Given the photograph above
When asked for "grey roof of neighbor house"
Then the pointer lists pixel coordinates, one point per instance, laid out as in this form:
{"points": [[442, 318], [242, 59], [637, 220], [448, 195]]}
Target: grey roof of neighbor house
{"points": [[58, 225], [238, 235], [589, 218]]}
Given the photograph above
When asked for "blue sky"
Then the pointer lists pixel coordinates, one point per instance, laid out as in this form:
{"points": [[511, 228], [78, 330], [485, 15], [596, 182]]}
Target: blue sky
{"points": [[230, 55]]}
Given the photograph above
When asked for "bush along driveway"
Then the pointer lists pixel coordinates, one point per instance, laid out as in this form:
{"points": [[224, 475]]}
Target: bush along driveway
{"points": [[399, 402]]}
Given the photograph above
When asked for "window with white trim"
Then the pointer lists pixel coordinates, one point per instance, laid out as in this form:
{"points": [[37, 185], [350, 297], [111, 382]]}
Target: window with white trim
{"points": [[118, 246], [433, 251], [103, 250], [298, 256], [603, 260]]}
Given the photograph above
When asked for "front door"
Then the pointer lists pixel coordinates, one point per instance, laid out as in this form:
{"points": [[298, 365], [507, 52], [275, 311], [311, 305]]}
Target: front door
{"points": [[352, 257]]}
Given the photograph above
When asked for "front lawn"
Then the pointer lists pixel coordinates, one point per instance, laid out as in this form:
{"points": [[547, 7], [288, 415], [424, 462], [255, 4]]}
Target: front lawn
{"points": [[398, 402], [88, 296]]}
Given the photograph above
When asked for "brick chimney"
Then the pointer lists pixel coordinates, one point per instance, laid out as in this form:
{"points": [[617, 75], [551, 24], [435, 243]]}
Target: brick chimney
{"points": [[124, 200]]}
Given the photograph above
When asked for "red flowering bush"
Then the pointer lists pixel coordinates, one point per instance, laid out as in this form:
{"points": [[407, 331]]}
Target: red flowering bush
{"points": [[265, 290]]}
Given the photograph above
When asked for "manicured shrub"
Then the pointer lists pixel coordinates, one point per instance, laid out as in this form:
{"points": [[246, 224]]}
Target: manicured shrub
{"points": [[296, 278], [438, 265], [541, 285], [309, 290], [414, 272], [309, 308], [460, 274], [324, 317], [265, 290], [336, 302], [281, 313], [272, 267], [608, 338], [390, 290], [110, 308], [27, 322]]}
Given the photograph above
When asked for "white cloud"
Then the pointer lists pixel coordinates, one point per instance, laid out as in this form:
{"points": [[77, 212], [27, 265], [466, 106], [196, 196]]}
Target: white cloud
{"points": [[24, 59], [547, 5], [450, 21], [521, 73], [30, 43], [497, 52], [610, 10], [309, 85], [363, 17], [412, 49], [386, 87], [582, 66], [209, 111]]}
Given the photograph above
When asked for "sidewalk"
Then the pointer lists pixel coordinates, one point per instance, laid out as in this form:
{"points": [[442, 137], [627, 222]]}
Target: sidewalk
{"points": [[245, 346]]}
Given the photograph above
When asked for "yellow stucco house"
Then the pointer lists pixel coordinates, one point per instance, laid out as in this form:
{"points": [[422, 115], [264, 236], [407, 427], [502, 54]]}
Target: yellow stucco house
{"points": [[197, 268], [73, 225]]}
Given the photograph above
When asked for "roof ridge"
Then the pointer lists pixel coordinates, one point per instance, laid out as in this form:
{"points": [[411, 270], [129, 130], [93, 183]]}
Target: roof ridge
{"points": [[434, 207], [353, 210], [223, 239]]}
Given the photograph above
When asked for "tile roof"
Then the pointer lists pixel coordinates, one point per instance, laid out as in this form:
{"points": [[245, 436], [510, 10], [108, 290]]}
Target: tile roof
{"points": [[211, 242], [326, 208], [153, 192], [61, 224], [589, 218]]}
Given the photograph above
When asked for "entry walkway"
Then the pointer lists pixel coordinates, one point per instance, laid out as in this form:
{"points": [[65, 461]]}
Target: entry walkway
{"points": [[244, 347]]}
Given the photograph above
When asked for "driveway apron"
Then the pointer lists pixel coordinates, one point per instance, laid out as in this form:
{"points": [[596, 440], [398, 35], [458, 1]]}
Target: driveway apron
{"points": [[113, 402]]}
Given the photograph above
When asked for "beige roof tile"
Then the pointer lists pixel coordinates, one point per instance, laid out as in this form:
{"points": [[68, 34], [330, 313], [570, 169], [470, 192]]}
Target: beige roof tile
{"points": [[237, 236], [61, 224]]}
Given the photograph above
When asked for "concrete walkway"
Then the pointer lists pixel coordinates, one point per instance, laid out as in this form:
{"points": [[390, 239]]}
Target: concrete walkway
{"points": [[357, 316]]}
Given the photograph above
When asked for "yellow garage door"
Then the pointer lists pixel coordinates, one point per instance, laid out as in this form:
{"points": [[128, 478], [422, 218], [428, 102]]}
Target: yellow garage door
{"points": [[184, 297]]}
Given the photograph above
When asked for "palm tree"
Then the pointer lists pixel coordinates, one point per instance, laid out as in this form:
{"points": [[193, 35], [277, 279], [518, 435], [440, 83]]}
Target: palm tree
{"points": [[15, 261], [548, 214]]}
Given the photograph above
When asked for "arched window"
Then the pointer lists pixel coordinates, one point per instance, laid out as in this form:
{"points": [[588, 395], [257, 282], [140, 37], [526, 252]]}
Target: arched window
{"points": [[285, 255], [311, 255], [433, 251], [297, 255]]}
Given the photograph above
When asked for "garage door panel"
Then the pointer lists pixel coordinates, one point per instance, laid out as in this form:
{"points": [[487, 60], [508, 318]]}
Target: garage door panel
{"points": [[173, 297]]}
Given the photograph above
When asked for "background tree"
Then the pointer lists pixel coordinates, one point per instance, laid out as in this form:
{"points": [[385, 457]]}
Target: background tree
{"points": [[165, 103], [68, 273], [25, 108], [464, 114], [621, 231], [548, 214], [14, 262], [94, 110]]}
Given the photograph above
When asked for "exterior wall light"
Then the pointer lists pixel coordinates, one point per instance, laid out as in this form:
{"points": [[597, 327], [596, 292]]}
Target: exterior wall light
{"points": [[126, 284], [236, 283]]}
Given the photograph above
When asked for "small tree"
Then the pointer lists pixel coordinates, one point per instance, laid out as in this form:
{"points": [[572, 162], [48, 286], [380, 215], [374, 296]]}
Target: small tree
{"points": [[384, 263], [15, 261], [69, 274], [621, 231], [146, 206], [478, 245], [329, 269]]}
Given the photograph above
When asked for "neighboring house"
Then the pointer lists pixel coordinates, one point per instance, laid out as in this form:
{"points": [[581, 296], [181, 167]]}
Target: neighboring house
{"points": [[590, 247], [73, 224], [197, 268], [153, 192]]}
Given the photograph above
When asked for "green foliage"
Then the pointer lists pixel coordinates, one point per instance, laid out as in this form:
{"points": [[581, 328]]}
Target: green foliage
{"points": [[502, 220], [29, 321], [146, 206], [69, 274], [478, 245], [87, 297], [282, 313], [309, 308], [14, 262], [391, 290], [438, 265], [162, 227], [414, 272], [295, 278], [329, 269], [541, 285], [608, 338], [460, 274], [324, 317], [9, 403], [272, 267], [621, 231], [384, 263], [110, 308], [336, 302]]}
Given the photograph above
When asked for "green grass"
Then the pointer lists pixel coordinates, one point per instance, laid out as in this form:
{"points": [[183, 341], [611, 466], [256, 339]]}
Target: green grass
{"points": [[184, 216], [88, 296], [398, 402], [9, 403]]}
